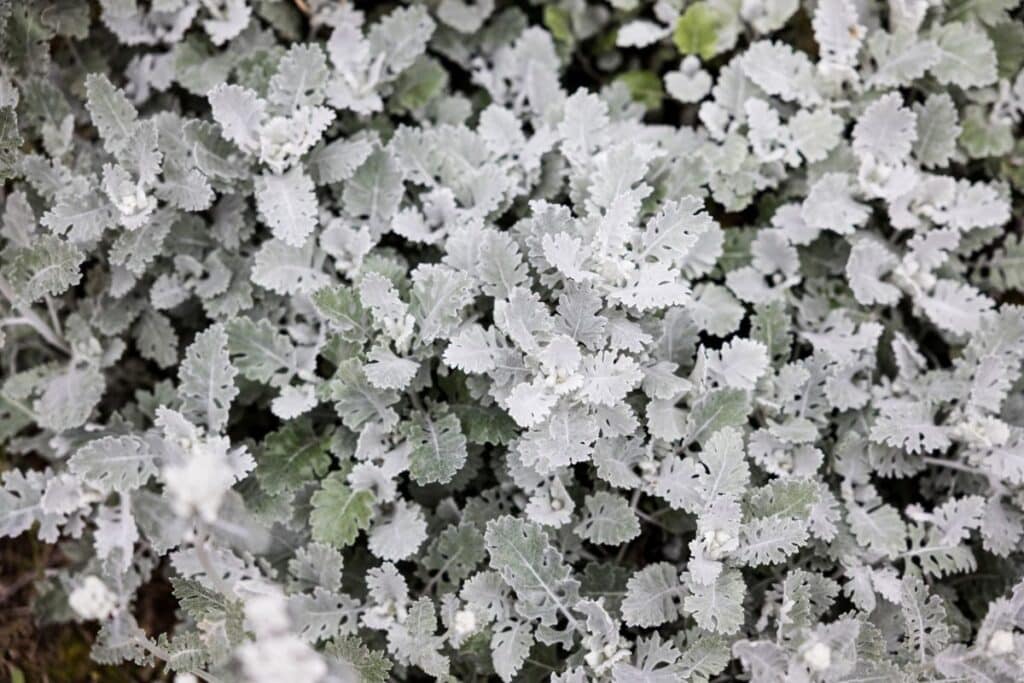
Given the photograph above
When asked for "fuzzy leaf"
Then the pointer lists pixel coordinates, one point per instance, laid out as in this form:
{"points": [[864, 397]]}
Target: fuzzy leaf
{"points": [[339, 513]]}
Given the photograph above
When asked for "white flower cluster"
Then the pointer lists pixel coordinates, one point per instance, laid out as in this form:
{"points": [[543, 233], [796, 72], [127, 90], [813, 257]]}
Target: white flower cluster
{"points": [[91, 599], [200, 469], [276, 653]]}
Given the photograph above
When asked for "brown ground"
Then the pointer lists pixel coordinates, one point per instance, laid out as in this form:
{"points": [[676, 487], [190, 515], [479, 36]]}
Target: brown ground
{"points": [[59, 653]]}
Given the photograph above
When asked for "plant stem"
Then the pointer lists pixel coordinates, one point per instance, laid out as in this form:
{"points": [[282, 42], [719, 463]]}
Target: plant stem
{"points": [[32, 319], [954, 465]]}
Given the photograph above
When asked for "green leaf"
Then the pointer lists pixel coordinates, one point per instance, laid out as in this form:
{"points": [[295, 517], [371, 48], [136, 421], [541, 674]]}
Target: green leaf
{"points": [[880, 529], [716, 410], [967, 57], [521, 553], [210, 607], [771, 326], [510, 646], [400, 37], [438, 296], [609, 520], [654, 596], [456, 553], [322, 615], [982, 137], [486, 424], [260, 352], [718, 606], [338, 160], [357, 401], [790, 497], [285, 18], [419, 84], [186, 651], [1006, 265], [1008, 38], [198, 68], [413, 640], [69, 398], [696, 31], [438, 447], [114, 463], [606, 580], [769, 540], [559, 23], [375, 190], [49, 266], [644, 86], [208, 378], [156, 339], [704, 658], [924, 616], [937, 130], [292, 457], [344, 312], [112, 113], [301, 78], [369, 666], [339, 513], [10, 142], [287, 203]]}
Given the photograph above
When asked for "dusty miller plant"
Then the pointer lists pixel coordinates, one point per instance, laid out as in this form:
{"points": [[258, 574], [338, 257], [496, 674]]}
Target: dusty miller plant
{"points": [[580, 341]]}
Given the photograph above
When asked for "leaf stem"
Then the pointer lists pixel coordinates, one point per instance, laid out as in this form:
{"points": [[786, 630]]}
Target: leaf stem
{"points": [[206, 562], [31, 319]]}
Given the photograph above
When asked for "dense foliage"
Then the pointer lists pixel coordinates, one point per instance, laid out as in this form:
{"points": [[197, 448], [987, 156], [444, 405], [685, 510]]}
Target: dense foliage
{"points": [[476, 340]]}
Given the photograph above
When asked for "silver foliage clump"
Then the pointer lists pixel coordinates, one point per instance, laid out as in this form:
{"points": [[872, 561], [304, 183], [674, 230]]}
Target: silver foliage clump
{"points": [[593, 341]]}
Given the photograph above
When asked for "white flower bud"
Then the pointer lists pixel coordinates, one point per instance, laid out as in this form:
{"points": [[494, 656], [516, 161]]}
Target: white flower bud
{"points": [[818, 657], [92, 599], [198, 484], [1000, 644], [266, 614], [603, 659], [718, 542], [281, 658], [464, 622]]}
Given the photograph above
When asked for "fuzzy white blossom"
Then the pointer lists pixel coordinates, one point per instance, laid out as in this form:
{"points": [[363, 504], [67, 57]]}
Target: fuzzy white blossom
{"points": [[91, 599], [198, 482], [718, 543], [1001, 643], [465, 622], [818, 656], [283, 139], [133, 202], [276, 653], [602, 661]]}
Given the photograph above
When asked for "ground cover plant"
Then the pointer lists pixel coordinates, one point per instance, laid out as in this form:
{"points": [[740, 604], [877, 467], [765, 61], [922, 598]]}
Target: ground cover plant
{"points": [[482, 340]]}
